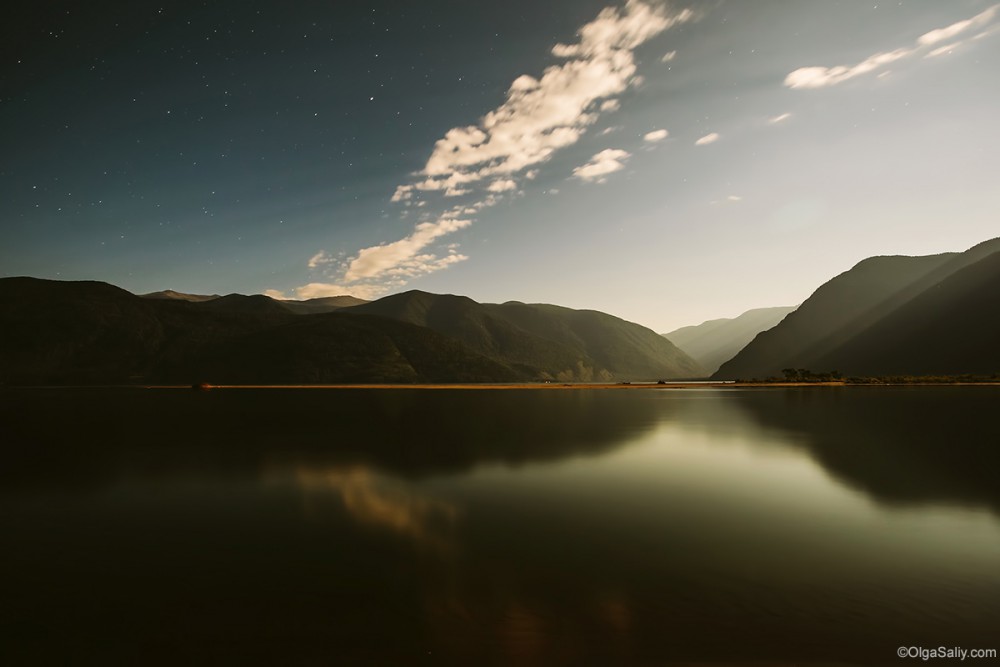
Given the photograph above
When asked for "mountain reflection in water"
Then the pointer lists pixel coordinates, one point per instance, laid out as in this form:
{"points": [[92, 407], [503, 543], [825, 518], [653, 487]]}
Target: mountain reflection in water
{"points": [[497, 527]]}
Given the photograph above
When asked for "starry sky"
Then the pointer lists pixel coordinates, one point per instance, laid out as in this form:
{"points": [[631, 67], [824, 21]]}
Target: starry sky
{"points": [[666, 163]]}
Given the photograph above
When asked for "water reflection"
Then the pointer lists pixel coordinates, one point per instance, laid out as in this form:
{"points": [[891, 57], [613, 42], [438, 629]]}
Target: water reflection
{"points": [[616, 527], [377, 501], [906, 445]]}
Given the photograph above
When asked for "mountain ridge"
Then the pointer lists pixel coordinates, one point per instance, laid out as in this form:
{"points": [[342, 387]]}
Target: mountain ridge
{"points": [[847, 306], [90, 332]]}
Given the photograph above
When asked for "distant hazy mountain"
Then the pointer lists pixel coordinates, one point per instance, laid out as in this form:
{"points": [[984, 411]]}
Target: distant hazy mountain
{"points": [[95, 333], [863, 310], [324, 304], [562, 343], [713, 342]]}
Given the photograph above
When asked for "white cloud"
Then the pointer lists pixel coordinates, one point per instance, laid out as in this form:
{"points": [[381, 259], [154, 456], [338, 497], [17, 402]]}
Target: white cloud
{"points": [[734, 198], [708, 139], [655, 135], [942, 34], [668, 56], [405, 253], [540, 116], [606, 162], [319, 259], [780, 118], [820, 77], [941, 50], [402, 193], [502, 185]]}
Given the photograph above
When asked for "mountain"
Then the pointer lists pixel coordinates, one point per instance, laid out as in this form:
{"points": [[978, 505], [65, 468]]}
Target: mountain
{"points": [[179, 296], [713, 342], [95, 333], [323, 304], [544, 341], [864, 308], [949, 329]]}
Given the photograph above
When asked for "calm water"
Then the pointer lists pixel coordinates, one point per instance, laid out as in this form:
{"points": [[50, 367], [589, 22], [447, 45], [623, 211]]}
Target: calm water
{"points": [[497, 527]]}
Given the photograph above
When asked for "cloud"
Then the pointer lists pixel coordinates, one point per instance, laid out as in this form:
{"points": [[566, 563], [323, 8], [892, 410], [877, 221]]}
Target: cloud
{"points": [[405, 253], [955, 29], [708, 139], [821, 77], [541, 116], [402, 193], [606, 162], [503, 185], [780, 118], [319, 259], [655, 135], [668, 56], [734, 198]]}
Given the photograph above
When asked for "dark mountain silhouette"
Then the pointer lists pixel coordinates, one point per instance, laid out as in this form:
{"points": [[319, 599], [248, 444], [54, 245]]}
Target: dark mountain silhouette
{"points": [[716, 341], [95, 333], [876, 300], [951, 328], [561, 343], [325, 304]]}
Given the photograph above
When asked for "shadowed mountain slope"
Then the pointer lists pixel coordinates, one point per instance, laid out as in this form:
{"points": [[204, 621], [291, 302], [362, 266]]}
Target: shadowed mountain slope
{"points": [[951, 328], [851, 304], [94, 333], [714, 342], [559, 343]]}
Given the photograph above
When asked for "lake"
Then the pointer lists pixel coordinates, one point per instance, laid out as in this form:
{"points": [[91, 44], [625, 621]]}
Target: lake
{"points": [[641, 526]]}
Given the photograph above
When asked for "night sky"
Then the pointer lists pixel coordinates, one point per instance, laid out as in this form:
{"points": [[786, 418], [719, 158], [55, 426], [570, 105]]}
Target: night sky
{"points": [[664, 163]]}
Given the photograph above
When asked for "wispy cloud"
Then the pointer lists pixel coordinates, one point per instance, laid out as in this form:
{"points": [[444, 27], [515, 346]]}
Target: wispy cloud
{"points": [[539, 116], [606, 162], [668, 56], [319, 259], [503, 185], [821, 77], [708, 139], [655, 136], [542, 115], [405, 257], [780, 118]]}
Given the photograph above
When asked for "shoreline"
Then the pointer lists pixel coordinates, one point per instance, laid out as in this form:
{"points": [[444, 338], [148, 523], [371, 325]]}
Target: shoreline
{"points": [[522, 386]]}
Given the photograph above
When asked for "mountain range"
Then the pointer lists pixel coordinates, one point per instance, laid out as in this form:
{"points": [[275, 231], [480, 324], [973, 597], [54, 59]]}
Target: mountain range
{"points": [[937, 314], [714, 342], [94, 333]]}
